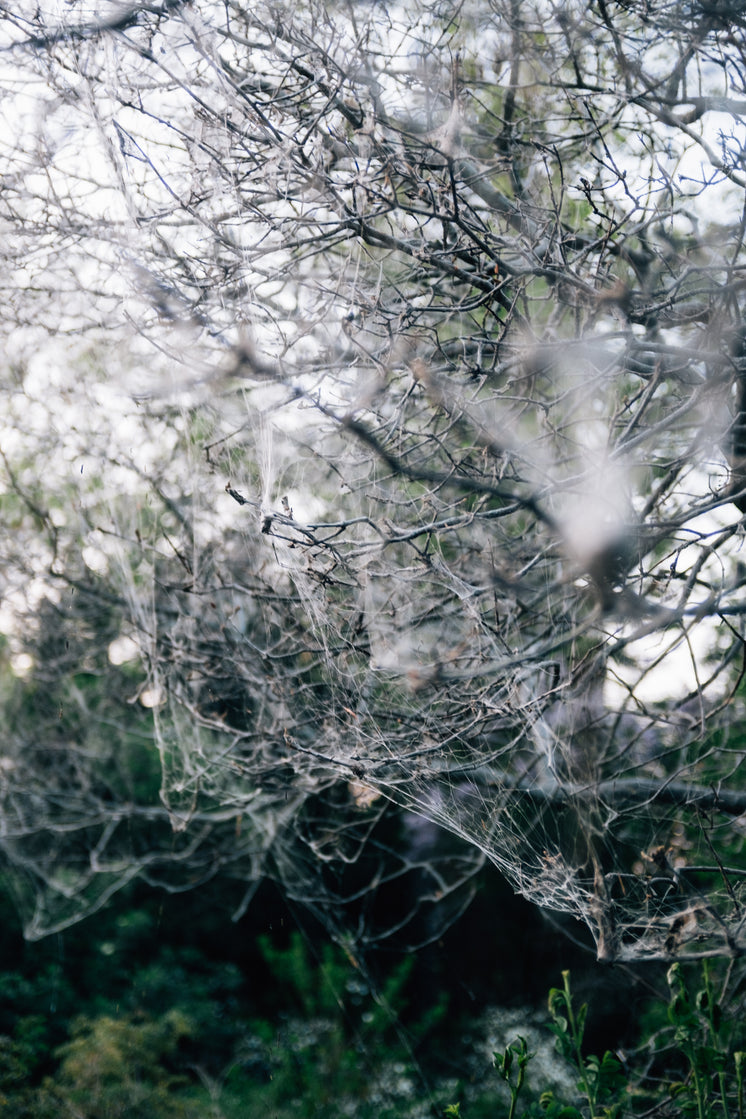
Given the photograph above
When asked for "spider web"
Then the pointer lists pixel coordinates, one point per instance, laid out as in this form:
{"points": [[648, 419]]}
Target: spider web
{"points": [[413, 651], [384, 525]]}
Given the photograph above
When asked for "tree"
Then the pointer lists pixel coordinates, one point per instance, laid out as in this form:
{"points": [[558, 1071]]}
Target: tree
{"points": [[380, 374]]}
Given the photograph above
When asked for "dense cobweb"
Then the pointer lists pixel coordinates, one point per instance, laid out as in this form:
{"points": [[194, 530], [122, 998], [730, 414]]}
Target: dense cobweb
{"points": [[388, 419]]}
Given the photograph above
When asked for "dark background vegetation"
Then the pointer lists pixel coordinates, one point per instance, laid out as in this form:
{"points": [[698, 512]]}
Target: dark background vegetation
{"points": [[239, 984]]}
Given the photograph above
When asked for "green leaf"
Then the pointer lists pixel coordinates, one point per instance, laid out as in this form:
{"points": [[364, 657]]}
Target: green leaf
{"points": [[556, 1001], [504, 1064], [580, 1022]]}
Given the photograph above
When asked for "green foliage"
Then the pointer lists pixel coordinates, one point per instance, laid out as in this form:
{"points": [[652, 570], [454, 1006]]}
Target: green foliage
{"points": [[138, 1024], [311, 1060], [703, 1036], [135, 1024], [120, 1067], [700, 1040], [516, 1054], [601, 1081], [314, 988]]}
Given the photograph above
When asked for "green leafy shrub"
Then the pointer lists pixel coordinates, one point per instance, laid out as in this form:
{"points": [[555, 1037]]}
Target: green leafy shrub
{"points": [[706, 1040], [114, 1068], [601, 1080], [701, 1046]]}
